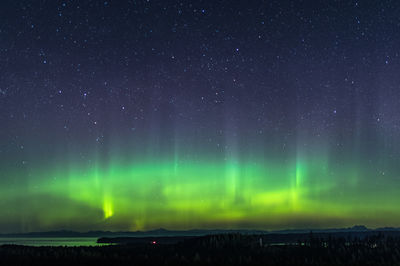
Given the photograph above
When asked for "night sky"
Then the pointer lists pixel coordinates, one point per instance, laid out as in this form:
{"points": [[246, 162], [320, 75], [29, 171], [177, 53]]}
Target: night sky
{"points": [[136, 115]]}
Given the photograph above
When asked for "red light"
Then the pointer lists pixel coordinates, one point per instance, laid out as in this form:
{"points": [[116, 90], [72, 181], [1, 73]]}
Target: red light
{"points": [[153, 242]]}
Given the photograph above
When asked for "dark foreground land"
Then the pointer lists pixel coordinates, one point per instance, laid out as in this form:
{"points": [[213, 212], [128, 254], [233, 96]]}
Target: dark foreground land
{"points": [[228, 249]]}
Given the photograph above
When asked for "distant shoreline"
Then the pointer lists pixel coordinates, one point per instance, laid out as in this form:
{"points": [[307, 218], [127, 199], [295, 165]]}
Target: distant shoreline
{"points": [[194, 232]]}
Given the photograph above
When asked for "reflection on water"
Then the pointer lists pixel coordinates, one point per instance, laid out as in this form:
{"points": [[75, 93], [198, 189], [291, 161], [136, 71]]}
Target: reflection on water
{"points": [[51, 241]]}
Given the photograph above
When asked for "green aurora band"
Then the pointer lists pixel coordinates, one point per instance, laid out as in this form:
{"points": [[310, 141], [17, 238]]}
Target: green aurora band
{"points": [[186, 194]]}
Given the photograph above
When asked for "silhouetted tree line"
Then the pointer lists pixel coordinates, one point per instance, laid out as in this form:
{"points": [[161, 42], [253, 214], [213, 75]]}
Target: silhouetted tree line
{"points": [[226, 249]]}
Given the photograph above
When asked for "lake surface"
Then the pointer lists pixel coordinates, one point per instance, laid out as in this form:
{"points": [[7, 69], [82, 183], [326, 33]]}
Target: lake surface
{"points": [[51, 241]]}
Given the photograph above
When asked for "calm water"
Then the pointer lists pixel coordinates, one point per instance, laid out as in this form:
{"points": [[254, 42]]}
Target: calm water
{"points": [[51, 241]]}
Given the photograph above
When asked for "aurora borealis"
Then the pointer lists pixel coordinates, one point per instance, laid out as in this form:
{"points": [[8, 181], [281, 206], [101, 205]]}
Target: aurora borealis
{"points": [[137, 115]]}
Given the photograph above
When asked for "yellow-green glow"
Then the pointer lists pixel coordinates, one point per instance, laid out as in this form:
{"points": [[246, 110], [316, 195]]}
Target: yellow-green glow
{"points": [[107, 208], [200, 194]]}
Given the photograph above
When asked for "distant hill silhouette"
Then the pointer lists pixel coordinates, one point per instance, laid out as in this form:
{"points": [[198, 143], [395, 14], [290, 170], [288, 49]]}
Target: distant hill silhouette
{"points": [[195, 232]]}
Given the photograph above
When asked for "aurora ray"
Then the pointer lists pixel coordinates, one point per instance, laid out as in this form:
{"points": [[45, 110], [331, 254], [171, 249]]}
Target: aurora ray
{"points": [[136, 115]]}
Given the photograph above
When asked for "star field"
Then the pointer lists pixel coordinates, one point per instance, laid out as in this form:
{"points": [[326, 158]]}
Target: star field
{"points": [[135, 115]]}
